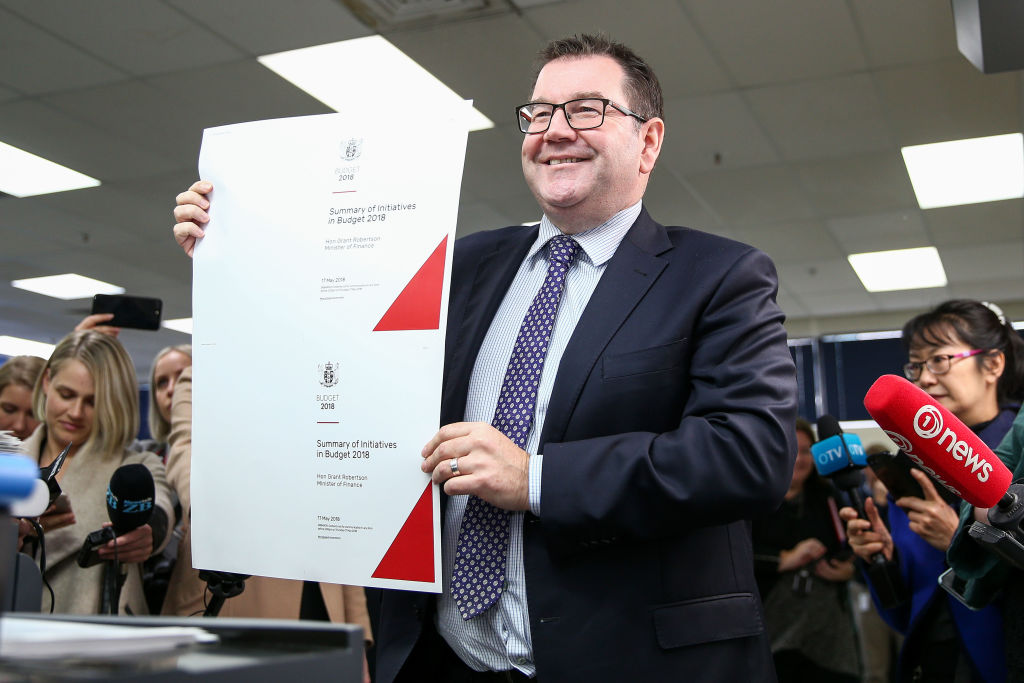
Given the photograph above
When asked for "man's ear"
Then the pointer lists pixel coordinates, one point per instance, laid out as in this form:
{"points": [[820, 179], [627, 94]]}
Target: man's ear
{"points": [[653, 132]]}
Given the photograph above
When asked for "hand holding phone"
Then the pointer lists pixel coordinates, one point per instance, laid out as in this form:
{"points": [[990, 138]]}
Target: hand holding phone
{"points": [[137, 312]]}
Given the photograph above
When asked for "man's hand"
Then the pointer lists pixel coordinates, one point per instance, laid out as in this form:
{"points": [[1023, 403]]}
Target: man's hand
{"points": [[93, 322], [134, 546], [804, 552], [190, 214], [489, 464], [867, 536], [931, 518]]}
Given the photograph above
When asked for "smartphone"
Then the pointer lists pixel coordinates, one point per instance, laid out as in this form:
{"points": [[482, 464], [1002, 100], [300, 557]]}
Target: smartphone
{"points": [[62, 504], [893, 469], [136, 312]]}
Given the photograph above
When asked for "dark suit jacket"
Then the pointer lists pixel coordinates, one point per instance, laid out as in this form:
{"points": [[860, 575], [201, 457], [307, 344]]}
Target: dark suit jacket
{"points": [[670, 425]]}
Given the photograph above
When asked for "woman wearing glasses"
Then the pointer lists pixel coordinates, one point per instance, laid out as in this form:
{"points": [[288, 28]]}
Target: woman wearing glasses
{"points": [[966, 357]]}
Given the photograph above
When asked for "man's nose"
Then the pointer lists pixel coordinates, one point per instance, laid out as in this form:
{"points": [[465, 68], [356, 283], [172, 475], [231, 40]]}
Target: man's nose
{"points": [[559, 128]]}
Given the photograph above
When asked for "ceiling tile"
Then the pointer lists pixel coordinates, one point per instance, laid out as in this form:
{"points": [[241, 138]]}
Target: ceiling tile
{"points": [[837, 303], [780, 41], [275, 26], [669, 44], [832, 276], [983, 262], [1000, 291], [753, 196], [846, 187], [708, 132], [36, 61], [917, 300], [962, 225], [67, 139], [794, 242], [671, 203], [148, 37], [905, 32], [501, 51], [880, 232], [823, 118], [949, 100]]}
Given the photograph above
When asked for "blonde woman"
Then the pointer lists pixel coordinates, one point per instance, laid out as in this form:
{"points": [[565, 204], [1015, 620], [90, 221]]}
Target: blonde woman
{"points": [[163, 378], [87, 396], [17, 378]]}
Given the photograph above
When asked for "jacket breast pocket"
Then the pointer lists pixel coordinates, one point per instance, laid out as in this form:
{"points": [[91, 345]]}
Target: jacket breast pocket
{"points": [[706, 620], [657, 359]]}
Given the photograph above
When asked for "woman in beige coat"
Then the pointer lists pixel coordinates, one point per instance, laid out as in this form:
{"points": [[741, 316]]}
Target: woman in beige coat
{"points": [[87, 396], [263, 597]]}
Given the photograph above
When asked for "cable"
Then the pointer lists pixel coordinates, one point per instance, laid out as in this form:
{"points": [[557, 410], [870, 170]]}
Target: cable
{"points": [[41, 540]]}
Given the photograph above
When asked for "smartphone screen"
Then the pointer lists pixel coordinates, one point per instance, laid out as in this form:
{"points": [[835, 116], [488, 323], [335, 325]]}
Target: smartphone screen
{"points": [[137, 312], [894, 472]]}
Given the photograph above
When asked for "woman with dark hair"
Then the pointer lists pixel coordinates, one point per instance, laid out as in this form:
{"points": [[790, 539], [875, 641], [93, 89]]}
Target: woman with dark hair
{"points": [[802, 570], [966, 357]]}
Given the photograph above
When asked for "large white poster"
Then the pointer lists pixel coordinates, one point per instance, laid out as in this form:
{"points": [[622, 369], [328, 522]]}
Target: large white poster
{"points": [[319, 301]]}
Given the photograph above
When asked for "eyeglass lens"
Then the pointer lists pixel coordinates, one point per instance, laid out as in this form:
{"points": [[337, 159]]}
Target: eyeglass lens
{"points": [[581, 114]]}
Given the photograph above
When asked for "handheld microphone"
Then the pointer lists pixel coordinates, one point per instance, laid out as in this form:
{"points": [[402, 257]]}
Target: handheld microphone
{"points": [[953, 455], [840, 457], [130, 496], [18, 477], [938, 441]]}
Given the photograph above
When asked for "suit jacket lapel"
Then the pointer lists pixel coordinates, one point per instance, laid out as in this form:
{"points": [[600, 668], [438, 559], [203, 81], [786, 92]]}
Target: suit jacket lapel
{"points": [[629, 275], [495, 271]]}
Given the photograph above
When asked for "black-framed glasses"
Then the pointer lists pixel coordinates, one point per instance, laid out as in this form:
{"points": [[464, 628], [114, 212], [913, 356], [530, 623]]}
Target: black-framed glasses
{"points": [[581, 114], [937, 365]]}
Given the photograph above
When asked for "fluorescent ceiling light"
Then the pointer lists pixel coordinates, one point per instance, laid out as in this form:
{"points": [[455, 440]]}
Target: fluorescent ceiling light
{"points": [[967, 171], [16, 346], [364, 72], [67, 286], [25, 175], [886, 271], [179, 325]]}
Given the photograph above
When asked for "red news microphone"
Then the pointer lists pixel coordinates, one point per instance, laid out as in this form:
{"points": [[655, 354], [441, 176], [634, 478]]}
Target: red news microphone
{"points": [[938, 441], [945, 448]]}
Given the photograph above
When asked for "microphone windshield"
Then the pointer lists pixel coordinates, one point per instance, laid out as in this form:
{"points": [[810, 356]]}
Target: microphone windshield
{"points": [[938, 441], [18, 477], [828, 426], [830, 455], [130, 497]]}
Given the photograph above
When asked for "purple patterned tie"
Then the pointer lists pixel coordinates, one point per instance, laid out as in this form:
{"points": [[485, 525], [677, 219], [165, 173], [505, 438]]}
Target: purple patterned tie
{"points": [[479, 574]]}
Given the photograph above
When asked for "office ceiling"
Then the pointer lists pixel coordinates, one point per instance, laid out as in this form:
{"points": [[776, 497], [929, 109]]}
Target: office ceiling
{"points": [[784, 126]]}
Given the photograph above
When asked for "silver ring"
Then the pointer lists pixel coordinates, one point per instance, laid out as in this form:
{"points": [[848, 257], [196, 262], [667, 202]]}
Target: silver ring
{"points": [[454, 465]]}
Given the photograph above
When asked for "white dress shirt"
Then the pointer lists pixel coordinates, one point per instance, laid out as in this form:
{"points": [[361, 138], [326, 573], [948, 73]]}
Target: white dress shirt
{"points": [[499, 639]]}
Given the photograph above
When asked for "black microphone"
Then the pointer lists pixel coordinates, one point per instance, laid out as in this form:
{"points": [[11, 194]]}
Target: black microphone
{"points": [[130, 496], [845, 472]]}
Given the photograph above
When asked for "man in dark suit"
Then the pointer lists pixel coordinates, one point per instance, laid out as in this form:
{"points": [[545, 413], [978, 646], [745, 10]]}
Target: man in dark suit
{"points": [[616, 407]]}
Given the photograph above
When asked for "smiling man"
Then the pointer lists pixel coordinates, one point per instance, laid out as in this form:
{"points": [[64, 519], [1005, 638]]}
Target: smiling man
{"points": [[618, 402]]}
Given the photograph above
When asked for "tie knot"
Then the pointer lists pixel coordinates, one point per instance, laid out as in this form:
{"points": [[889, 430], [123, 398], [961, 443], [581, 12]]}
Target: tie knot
{"points": [[562, 249]]}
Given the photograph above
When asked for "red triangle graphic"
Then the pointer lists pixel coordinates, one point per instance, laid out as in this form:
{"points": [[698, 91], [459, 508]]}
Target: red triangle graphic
{"points": [[411, 555], [418, 307]]}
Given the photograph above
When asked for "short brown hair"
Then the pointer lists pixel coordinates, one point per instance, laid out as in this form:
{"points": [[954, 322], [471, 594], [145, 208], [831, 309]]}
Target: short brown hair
{"points": [[642, 86]]}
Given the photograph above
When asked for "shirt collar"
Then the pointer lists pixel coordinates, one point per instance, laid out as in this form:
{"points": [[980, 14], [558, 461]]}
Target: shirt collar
{"points": [[599, 243]]}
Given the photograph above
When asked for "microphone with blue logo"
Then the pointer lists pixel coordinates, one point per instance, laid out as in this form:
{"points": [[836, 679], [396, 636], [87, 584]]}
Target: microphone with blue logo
{"points": [[130, 497], [841, 457]]}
